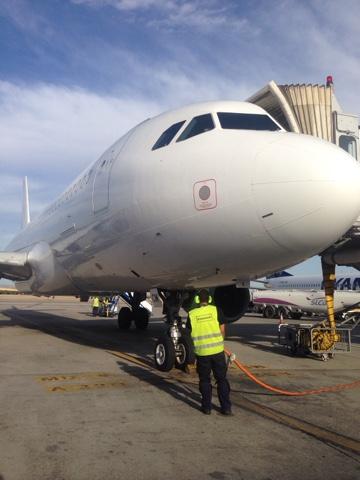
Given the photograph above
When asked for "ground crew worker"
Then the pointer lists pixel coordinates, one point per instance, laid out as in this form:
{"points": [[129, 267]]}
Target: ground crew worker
{"points": [[105, 307], [207, 332], [95, 303]]}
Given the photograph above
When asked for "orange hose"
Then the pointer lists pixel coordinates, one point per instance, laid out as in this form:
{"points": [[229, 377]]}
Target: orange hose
{"points": [[255, 379]]}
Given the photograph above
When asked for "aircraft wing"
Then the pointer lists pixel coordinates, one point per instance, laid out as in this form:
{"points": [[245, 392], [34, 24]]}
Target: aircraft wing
{"points": [[14, 266]]}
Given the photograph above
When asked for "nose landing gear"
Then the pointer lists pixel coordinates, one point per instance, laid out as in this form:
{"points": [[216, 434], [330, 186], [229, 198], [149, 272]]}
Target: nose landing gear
{"points": [[175, 347]]}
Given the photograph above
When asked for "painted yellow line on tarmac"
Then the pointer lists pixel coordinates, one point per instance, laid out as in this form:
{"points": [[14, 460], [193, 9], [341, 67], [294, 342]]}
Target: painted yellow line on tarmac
{"points": [[130, 358], [80, 387], [85, 381], [61, 377]]}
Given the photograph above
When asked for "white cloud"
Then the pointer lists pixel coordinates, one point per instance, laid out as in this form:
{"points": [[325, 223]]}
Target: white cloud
{"points": [[53, 127], [124, 4], [23, 17], [203, 15]]}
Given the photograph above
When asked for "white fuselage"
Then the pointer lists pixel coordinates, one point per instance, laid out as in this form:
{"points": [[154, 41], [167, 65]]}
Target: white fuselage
{"points": [[312, 282], [139, 218], [306, 301]]}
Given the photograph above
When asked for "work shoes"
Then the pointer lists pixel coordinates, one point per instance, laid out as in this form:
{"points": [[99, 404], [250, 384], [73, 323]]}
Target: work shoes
{"points": [[227, 413], [206, 411]]}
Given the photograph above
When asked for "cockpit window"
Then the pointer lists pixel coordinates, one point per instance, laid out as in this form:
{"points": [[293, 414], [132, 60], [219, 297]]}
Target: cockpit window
{"points": [[199, 124], [246, 121], [166, 137], [348, 143]]}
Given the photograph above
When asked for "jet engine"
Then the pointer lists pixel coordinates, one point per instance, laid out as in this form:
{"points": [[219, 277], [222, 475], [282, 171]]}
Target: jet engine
{"points": [[232, 301], [47, 275]]}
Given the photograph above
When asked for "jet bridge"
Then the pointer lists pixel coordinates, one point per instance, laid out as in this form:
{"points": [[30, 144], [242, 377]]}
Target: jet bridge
{"points": [[313, 109]]}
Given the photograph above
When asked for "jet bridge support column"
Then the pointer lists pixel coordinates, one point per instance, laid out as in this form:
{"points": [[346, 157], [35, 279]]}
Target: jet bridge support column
{"points": [[319, 338], [329, 288], [325, 339]]}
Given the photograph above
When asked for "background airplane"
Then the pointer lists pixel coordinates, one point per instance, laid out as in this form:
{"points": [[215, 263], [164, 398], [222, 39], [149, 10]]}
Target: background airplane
{"points": [[295, 302], [287, 281]]}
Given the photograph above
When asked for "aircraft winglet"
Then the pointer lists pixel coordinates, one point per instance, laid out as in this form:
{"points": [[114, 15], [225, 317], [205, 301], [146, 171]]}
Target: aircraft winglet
{"points": [[14, 266], [26, 205]]}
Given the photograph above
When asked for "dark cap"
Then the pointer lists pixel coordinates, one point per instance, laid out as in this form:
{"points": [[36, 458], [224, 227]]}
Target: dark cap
{"points": [[204, 296]]}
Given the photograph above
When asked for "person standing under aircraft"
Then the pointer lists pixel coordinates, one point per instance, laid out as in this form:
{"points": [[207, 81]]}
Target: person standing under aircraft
{"points": [[208, 334], [105, 307], [95, 303]]}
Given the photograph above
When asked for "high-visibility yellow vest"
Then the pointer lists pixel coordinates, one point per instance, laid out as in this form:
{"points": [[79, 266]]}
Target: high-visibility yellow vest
{"points": [[205, 331], [95, 302]]}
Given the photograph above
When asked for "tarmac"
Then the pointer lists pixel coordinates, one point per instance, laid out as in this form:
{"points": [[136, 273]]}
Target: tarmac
{"points": [[81, 400]]}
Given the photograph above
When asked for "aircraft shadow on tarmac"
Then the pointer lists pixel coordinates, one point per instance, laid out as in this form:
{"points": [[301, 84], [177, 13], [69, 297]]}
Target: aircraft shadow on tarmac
{"points": [[104, 333], [94, 332], [179, 391], [259, 336]]}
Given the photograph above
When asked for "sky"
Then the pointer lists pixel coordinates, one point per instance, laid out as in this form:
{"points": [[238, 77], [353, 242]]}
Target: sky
{"points": [[77, 74]]}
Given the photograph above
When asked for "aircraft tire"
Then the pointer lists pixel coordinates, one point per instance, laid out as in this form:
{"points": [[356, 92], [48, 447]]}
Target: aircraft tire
{"points": [[125, 317], [164, 354], [282, 311], [269, 312], [185, 354], [141, 318]]}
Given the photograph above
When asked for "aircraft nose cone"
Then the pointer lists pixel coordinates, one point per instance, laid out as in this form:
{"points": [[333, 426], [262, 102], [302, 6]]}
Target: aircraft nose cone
{"points": [[307, 192]]}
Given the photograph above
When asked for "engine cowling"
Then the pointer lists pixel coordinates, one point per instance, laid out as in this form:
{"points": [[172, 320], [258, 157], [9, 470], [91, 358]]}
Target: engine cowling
{"points": [[47, 275], [232, 301]]}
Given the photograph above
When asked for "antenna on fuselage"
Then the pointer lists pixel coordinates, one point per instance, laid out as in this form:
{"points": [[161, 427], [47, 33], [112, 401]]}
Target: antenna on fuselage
{"points": [[26, 206]]}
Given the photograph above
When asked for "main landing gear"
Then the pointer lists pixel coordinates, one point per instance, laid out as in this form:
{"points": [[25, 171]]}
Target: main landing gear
{"points": [[175, 347], [134, 313]]}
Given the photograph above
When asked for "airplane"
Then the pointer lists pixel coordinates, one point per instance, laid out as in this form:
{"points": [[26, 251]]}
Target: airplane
{"points": [[210, 195], [294, 302], [287, 281]]}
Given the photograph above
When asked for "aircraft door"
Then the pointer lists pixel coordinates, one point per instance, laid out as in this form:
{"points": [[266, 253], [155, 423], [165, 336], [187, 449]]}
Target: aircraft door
{"points": [[347, 133], [100, 195]]}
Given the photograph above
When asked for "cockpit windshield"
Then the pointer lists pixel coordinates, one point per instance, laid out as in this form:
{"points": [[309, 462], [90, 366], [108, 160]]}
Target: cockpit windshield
{"points": [[166, 137], [246, 121], [199, 124]]}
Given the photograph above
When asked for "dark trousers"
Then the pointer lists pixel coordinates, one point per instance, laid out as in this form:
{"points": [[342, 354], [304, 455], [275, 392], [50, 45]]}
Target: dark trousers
{"points": [[216, 364]]}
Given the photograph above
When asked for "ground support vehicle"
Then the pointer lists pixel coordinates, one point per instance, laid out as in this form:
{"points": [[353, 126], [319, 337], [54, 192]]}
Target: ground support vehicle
{"points": [[306, 339], [350, 319]]}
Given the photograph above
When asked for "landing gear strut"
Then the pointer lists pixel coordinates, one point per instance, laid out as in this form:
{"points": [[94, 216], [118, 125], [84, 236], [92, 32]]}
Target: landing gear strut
{"points": [[135, 313], [175, 347]]}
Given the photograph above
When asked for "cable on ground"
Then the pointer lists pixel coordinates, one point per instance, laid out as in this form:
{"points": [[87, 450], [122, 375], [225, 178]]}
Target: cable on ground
{"points": [[334, 388]]}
